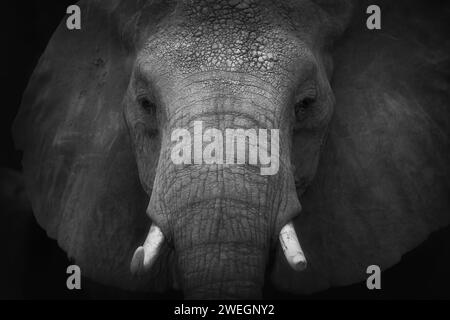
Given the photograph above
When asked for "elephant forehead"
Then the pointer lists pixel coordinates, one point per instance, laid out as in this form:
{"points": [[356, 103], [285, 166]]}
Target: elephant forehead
{"points": [[242, 36]]}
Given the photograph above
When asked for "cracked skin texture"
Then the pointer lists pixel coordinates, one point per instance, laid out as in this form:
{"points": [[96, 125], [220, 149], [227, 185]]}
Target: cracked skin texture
{"points": [[250, 37], [379, 189], [232, 36]]}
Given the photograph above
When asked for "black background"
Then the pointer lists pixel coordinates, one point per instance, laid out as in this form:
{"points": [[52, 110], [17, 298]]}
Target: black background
{"points": [[33, 267]]}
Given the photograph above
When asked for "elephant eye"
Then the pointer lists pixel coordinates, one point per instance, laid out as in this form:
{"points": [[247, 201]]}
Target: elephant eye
{"points": [[147, 105], [302, 107]]}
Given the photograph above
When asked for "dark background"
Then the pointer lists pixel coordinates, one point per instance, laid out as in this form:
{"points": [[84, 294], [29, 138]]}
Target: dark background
{"points": [[33, 267]]}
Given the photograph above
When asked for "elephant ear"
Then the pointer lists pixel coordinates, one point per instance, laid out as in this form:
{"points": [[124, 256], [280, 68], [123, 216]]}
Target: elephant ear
{"points": [[382, 184], [80, 171]]}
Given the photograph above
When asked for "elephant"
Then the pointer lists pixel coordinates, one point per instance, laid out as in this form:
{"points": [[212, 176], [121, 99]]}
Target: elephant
{"points": [[363, 124]]}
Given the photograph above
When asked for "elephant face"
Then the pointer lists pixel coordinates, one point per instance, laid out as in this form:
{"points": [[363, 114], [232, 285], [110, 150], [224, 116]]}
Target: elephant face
{"points": [[230, 67], [100, 114]]}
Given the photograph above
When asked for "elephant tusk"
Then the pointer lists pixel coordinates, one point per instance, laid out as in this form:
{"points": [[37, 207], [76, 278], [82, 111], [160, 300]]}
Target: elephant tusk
{"points": [[291, 248], [146, 255]]}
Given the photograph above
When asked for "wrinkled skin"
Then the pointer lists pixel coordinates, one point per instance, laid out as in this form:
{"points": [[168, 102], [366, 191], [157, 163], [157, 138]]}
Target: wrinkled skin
{"points": [[238, 68], [139, 70]]}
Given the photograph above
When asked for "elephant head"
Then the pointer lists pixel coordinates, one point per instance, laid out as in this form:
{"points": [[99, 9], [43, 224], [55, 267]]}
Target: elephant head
{"points": [[363, 139]]}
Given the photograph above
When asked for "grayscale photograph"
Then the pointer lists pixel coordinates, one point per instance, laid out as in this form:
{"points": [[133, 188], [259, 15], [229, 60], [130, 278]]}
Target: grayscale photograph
{"points": [[247, 150]]}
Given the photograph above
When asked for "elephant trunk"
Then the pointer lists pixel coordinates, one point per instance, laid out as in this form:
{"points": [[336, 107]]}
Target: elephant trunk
{"points": [[221, 219], [222, 251]]}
